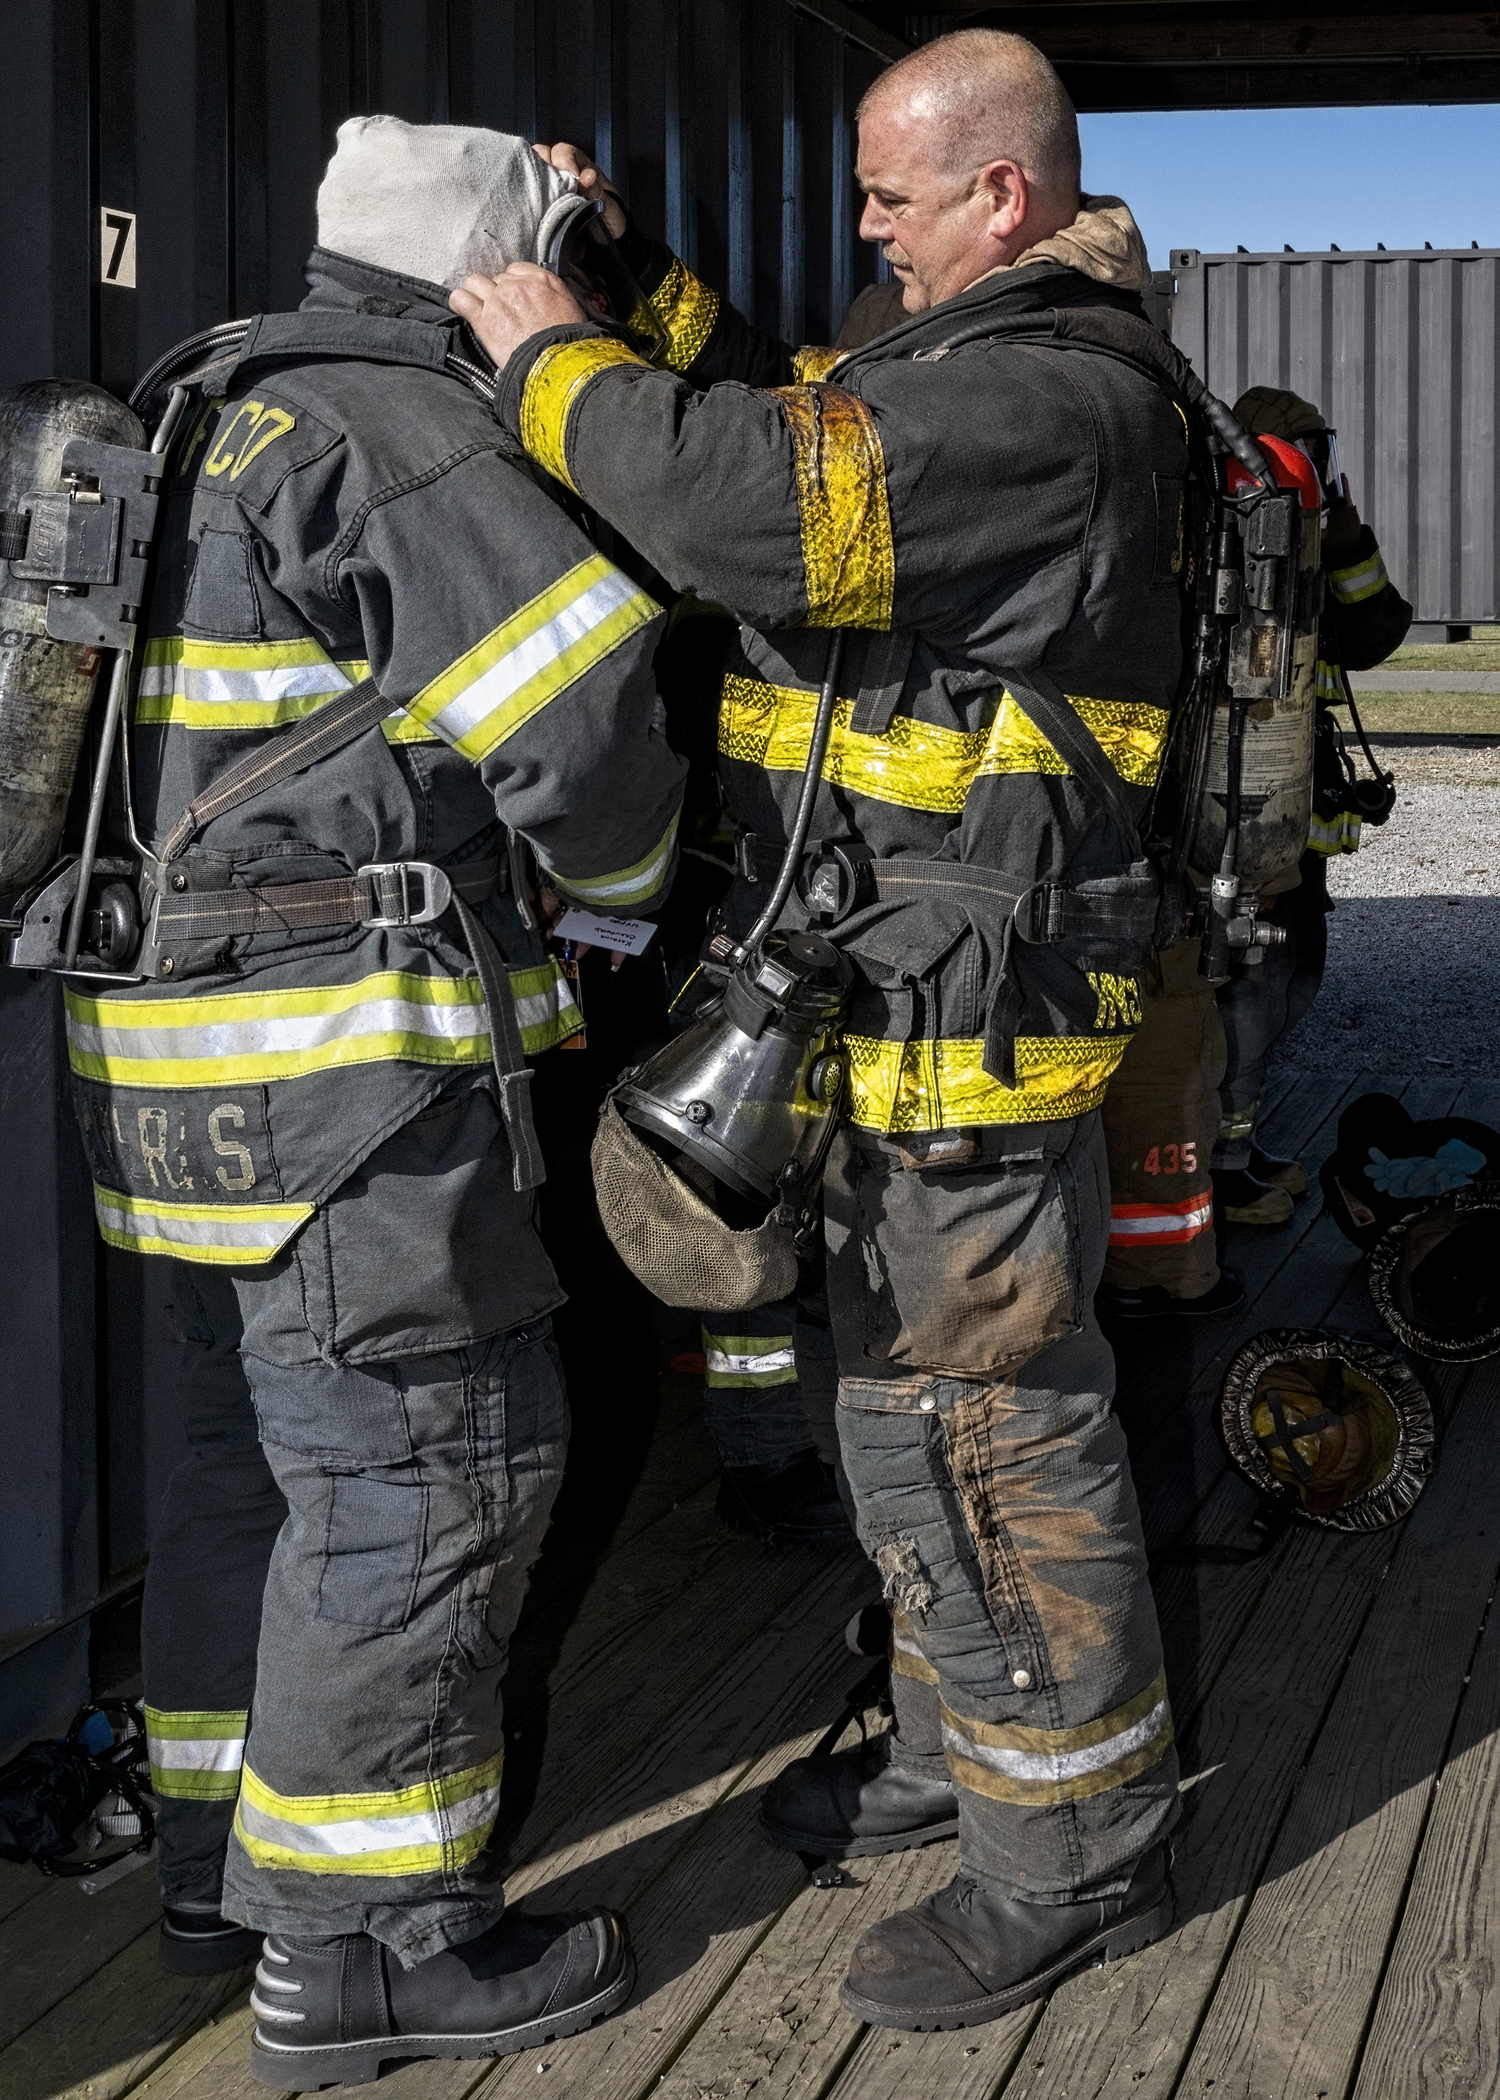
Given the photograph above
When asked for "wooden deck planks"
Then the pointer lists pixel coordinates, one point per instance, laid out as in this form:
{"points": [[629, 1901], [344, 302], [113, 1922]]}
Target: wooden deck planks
{"points": [[1291, 2009], [1327, 1885], [61, 1937]]}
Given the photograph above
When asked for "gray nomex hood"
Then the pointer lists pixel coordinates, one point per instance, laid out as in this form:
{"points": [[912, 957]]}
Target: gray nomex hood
{"points": [[437, 201]]}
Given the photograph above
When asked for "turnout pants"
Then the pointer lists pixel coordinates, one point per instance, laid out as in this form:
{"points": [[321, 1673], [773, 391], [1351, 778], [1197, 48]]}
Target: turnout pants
{"points": [[770, 1380], [994, 1497], [1161, 1117], [342, 1558], [1259, 1005]]}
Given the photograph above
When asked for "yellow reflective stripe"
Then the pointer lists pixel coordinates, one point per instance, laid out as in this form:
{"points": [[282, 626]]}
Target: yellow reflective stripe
{"points": [[915, 764], [941, 1084], [545, 1006], [1043, 1767], [246, 1233], [848, 551], [399, 728], [749, 1359], [907, 1659], [529, 659], [813, 364], [687, 309], [552, 388], [1330, 683], [1363, 579], [195, 1756], [238, 685], [246, 1038], [437, 1825], [1338, 834], [618, 891]]}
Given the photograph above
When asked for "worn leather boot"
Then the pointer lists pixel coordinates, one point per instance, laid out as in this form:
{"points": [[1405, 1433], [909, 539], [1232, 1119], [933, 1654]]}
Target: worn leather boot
{"points": [[1288, 1174], [857, 1802], [1242, 1200], [969, 1954], [331, 2012], [1153, 1301]]}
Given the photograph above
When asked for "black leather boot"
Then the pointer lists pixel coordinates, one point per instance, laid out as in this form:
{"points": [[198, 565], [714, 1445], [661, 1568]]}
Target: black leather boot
{"points": [[791, 1505], [332, 2012], [1153, 1301], [1288, 1174], [857, 1802], [969, 1954], [201, 1943]]}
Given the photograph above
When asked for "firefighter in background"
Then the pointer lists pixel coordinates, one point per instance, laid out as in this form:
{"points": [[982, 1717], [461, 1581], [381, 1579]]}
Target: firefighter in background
{"points": [[318, 1105], [1365, 617], [947, 511]]}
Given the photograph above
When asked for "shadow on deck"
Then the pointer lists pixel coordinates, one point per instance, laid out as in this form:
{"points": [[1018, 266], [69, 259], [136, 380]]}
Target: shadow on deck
{"points": [[1338, 1714]]}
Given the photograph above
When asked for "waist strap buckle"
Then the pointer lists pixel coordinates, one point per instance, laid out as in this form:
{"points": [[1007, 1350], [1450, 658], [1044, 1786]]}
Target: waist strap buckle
{"points": [[1039, 915], [407, 892]]}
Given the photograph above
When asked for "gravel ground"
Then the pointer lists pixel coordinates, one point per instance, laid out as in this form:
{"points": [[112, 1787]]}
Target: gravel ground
{"points": [[1413, 980]]}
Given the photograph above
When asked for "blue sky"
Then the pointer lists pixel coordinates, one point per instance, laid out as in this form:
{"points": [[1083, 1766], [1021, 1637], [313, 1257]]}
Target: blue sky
{"points": [[1216, 179]]}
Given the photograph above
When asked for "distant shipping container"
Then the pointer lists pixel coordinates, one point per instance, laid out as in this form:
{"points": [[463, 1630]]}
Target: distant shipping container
{"points": [[1401, 351]]}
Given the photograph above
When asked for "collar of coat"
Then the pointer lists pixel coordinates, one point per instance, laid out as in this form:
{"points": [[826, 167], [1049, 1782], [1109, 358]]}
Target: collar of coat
{"points": [[355, 310]]}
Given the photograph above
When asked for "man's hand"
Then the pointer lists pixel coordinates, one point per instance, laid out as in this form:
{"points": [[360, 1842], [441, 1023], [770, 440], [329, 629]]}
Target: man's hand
{"points": [[592, 181], [506, 311]]}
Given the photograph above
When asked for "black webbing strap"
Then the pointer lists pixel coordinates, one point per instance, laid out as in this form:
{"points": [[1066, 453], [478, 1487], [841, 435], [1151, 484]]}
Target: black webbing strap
{"points": [[1284, 1437], [291, 751], [1072, 739], [511, 1068], [376, 896]]}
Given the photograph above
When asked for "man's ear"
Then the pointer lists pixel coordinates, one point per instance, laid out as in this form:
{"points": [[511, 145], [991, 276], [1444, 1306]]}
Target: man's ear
{"points": [[1010, 197]]}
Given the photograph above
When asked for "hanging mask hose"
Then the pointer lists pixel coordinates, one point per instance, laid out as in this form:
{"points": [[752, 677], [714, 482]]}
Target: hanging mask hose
{"points": [[739, 1111]]}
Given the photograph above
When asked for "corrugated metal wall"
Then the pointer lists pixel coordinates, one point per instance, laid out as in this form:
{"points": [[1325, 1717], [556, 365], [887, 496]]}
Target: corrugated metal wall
{"points": [[729, 124], [1401, 350]]}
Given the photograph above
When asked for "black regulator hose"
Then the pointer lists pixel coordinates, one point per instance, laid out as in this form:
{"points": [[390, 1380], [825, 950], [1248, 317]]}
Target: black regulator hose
{"points": [[802, 821]]}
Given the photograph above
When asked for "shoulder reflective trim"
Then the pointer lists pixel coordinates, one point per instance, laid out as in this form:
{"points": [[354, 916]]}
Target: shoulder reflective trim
{"points": [[1363, 579], [625, 887], [917, 765], [552, 642], [1338, 834], [238, 685], [907, 1659], [545, 1006], [195, 1756], [1043, 1767], [1160, 1224], [430, 1828], [848, 552], [239, 1233], [687, 309], [551, 392], [941, 1084], [749, 1359], [246, 1038], [811, 364]]}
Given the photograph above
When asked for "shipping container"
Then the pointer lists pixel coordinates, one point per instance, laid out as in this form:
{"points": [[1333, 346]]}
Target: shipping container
{"points": [[1400, 348]]}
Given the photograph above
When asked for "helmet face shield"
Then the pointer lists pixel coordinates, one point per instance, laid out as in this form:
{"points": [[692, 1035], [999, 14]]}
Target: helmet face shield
{"points": [[1322, 448], [1338, 1430]]}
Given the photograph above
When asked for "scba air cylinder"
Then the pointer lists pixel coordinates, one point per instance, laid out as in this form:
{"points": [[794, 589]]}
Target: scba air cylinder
{"points": [[46, 686]]}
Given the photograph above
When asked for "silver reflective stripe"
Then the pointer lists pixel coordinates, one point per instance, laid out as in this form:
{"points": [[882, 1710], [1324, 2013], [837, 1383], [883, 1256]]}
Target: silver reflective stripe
{"points": [[531, 656], [1057, 1766], [363, 1834], [205, 1754], [726, 1363], [250, 1232]]}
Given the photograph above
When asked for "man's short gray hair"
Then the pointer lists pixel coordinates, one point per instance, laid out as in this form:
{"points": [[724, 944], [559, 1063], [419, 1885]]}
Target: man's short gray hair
{"points": [[990, 96]]}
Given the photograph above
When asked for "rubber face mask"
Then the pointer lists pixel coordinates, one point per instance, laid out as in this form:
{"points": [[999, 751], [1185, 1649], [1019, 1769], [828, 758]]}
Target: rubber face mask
{"points": [[581, 252]]}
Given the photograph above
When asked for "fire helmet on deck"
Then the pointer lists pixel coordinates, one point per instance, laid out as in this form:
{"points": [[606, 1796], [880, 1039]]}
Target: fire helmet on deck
{"points": [[1339, 1430], [1435, 1276]]}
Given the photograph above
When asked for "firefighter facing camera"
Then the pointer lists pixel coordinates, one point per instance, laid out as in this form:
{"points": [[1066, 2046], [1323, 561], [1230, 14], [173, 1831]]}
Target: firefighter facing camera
{"points": [[938, 733], [385, 691]]}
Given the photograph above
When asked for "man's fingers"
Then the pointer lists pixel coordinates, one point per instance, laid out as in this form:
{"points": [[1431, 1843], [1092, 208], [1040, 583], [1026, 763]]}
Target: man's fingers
{"points": [[468, 304]]}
